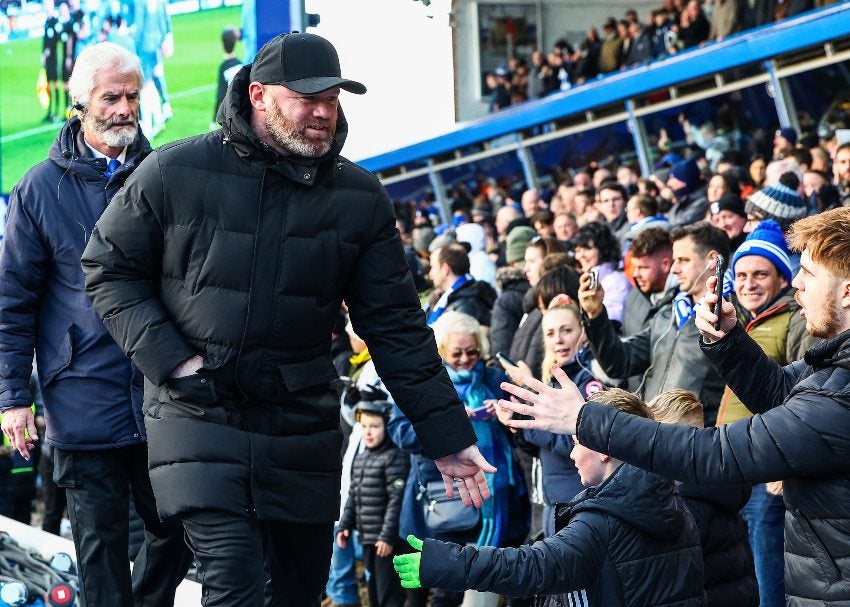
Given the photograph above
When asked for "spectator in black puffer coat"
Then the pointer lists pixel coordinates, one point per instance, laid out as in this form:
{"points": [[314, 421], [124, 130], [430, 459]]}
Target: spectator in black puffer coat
{"points": [[730, 576], [378, 477], [508, 309]]}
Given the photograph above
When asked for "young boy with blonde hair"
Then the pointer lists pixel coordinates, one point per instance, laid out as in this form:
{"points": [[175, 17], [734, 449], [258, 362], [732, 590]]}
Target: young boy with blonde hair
{"points": [[730, 578]]}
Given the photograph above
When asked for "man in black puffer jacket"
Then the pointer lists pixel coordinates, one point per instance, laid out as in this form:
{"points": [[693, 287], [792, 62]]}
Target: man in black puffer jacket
{"points": [[800, 434], [220, 269]]}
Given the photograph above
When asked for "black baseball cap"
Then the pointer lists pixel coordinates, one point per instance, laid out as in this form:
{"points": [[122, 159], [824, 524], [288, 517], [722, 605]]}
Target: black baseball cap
{"points": [[304, 63]]}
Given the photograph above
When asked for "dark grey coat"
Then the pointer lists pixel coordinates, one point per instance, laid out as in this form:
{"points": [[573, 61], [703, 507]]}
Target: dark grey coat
{"points": [[668, 357]]}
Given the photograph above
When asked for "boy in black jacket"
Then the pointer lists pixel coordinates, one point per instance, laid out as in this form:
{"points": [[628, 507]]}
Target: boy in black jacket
{"points": [[378, 477], [730, 576], [626, 540]]}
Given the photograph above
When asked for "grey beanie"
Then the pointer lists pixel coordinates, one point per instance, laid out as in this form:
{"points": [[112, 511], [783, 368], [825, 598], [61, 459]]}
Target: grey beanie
{"points": [[517, 241]]}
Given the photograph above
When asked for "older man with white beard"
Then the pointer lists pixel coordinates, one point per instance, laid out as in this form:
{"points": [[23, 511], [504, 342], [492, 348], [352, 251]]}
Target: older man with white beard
{"points": [[91, 391]]}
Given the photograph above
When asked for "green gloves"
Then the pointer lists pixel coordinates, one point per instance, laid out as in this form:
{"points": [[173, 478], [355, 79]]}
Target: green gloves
{"points": [[407, 565]]}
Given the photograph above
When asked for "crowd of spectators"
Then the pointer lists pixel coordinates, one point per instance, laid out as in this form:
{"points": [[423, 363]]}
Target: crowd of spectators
{"points": [[675, 26], [510, 273]]}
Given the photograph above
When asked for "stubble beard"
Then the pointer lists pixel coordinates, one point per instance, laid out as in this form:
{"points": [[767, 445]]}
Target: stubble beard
{"points": [[830, 323], [288, 137]]}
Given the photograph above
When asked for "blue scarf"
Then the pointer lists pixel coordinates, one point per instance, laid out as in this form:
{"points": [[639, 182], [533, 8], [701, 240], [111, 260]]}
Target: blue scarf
{"points": [[441, 304], [496, 449], [683, 308]]}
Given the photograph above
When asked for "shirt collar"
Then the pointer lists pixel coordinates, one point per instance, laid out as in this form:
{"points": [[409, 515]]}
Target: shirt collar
{"points": [[97, 154]]}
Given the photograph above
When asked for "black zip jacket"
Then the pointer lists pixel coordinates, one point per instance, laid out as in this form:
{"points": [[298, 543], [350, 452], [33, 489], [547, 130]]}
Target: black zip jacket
{"points": [[730, 575]]}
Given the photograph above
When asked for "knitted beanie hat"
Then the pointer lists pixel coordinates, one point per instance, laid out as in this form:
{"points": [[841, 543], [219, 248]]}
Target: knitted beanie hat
{"points": [[687, 172], [777, 202], [728, 202], [518, 239], [767, 241]]}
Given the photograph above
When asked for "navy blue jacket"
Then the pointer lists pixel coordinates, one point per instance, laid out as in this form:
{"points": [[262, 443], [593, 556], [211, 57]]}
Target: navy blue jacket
{"points": [[92, 394], [629, 542]]}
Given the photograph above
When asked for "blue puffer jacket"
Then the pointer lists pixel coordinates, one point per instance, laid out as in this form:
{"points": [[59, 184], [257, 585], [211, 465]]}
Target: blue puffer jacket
{"points": [[92, 394]]}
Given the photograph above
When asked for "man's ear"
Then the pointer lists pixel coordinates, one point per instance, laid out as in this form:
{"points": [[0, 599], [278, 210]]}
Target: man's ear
{"points": [[845, 294], [256, 91]]}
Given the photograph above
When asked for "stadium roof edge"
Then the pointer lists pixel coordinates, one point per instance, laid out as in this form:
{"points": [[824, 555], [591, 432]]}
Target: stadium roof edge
{"points": [[810, 29]]}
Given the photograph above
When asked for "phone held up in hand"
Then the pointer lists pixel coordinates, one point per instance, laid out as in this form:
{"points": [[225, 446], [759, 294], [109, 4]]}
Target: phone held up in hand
{"points": [[718, 290], [500, 356], [594, 280]]}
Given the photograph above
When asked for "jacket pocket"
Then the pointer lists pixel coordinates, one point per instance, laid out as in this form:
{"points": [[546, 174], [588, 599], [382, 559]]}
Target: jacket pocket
{"points": [[61, 360], [65, 469], [308, 374], [190, 396]]}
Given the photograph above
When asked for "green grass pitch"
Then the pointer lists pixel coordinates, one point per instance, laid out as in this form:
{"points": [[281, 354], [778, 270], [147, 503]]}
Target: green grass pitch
{"points": [[190, 73]]}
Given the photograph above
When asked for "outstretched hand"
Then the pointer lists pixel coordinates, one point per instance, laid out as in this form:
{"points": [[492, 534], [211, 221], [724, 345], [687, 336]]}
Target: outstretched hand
{"points": [[407, 565], [551, 409], [466, 468]]}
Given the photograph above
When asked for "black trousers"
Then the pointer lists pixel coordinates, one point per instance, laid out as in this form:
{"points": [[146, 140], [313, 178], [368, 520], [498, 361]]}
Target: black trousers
{"points": [[98, 485], [243, 562], [53, 495], [384, 584]]}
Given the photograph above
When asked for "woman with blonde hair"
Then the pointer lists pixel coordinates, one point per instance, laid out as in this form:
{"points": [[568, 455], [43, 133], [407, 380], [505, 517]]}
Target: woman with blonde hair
{"points": [[565, 346]]}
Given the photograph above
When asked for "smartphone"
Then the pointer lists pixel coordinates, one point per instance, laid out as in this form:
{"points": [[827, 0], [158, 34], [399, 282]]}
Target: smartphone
{"points": [[480, 414], [718, 290], [505, 360], [594, 280]]}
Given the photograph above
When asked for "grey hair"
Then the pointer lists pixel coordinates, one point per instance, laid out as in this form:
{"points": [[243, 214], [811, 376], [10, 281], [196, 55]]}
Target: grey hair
{"points": [[776, 168], [458, 322], [101, 56]]}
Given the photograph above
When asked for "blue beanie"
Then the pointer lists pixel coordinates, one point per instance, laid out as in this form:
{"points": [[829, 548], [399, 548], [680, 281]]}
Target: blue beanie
{"points": [[686, 171], [767, 241]]}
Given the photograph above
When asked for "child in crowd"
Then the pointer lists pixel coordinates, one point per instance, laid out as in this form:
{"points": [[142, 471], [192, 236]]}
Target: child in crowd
{"points": [[626, 540], [730, 577], [378, 477]]}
